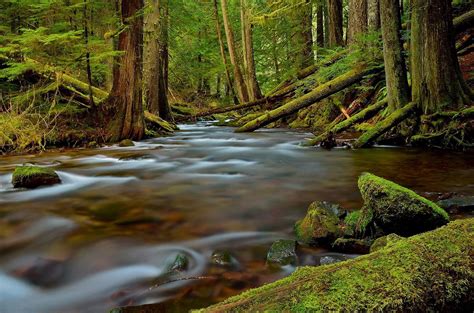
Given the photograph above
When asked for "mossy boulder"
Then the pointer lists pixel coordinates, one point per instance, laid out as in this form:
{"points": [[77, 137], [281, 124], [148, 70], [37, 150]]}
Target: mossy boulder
{"points": [[384, 241], [282, 252], [397, 209], [126, 143], [357, 223], [429, 272], [34, 176], [320, 226]]}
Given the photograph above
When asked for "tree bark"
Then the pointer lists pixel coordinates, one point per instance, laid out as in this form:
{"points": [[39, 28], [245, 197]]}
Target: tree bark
{"points": [[398, 91], [247, 38], [437, 83], [240, 85], [306, 34], [320, 24], [125, 100], [230, 87], [357, 23], [156, 59], [335, 23], [373, 21], [319, 93]]}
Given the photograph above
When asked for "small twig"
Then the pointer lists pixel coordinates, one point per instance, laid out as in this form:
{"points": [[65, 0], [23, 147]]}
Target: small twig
{"points": [[181, 279]]}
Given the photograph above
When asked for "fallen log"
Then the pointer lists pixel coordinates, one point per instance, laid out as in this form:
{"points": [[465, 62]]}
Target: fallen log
{"points": [[158, 123], [463, 22], [310, 70], [68, 81], [325, 90], [429, 272], [383, 126], [267, 100], [355, 119]]}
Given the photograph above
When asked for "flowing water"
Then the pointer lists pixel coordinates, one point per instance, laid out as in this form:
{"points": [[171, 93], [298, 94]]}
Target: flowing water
{"points": [[105, 236]]}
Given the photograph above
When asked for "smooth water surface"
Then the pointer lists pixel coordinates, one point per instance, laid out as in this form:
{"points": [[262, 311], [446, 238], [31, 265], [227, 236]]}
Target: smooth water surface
{"points": [[105, 236]]}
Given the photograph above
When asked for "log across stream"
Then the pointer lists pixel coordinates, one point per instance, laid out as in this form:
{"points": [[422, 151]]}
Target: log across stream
{"points": [[102, 239]]}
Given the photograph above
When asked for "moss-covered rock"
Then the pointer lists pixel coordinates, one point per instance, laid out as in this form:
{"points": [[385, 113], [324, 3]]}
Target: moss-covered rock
{"points": [[351, 245], [180, 263], [397, 209], [356, 223], [320, 226], [384, 241], [429, 272], [126, 143], [34, 176], [282, 252]]}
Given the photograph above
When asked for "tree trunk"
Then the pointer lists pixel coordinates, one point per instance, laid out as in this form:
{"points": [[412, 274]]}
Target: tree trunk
{"points": [[398, 91], [374, 15], [230, 88], [320, 24], [437, 83], [357, 23], [156, 59], [241, 87], [335, 23], [88, 54], [125, 101], [319, 93], [247, 39], [306, 34]]}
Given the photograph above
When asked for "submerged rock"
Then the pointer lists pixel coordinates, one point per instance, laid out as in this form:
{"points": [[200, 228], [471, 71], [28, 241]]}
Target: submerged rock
{"points": [[384, 241], [34, 176], [126, 143], [328, 259], [222, 258], [429, 272], [180, 263], [320, 226], [282, 252], [351, 245], [458, 204], [397, 209]]}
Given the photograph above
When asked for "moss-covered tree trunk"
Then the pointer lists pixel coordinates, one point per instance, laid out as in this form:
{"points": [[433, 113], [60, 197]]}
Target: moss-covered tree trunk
{"points": [[357, 23], [319, 93], [335, 23], [240, 84], [437, 83], [125, 100], [395, 72], [156, 59], [320, 24], [430, 272], [373, 20], [306, 35], [249, 60], [229, 86]]}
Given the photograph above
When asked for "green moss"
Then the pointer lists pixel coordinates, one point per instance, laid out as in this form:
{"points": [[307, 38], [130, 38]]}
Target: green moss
{"points": [[384, 241], [398, 209], [34, 176], [432, 271], [320, 226]]}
